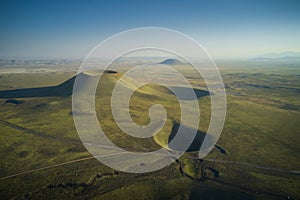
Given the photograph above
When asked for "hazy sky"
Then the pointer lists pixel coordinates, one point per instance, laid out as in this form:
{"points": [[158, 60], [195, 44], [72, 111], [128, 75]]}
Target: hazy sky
{"points": [[72, 28]]}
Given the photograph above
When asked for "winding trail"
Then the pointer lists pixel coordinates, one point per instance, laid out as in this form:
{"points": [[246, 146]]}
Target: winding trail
{"points": [[33, 132], [11, 125], [287, 171], [57, 165]]}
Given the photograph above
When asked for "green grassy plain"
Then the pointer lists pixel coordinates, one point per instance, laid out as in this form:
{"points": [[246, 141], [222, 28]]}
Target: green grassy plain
{"points": [[261, 129]]}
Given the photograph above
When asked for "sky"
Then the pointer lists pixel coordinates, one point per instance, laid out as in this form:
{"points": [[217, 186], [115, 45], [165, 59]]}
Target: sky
{"points": [[71, 28]]}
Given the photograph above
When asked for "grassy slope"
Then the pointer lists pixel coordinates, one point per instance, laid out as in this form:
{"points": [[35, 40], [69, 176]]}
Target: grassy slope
{"points": [[257, 130]]}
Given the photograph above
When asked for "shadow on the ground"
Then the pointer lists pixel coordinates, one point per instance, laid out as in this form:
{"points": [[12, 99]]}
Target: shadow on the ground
{"points": [[62, 90], [185, 93], [179, 144]]}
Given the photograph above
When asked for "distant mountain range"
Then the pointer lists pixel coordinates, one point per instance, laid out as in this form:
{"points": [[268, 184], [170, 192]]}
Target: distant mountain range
{"points": [[287, 55]]}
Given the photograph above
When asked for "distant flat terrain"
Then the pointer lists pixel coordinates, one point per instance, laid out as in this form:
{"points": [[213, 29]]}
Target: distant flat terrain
{"points": [[257, 156]]}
